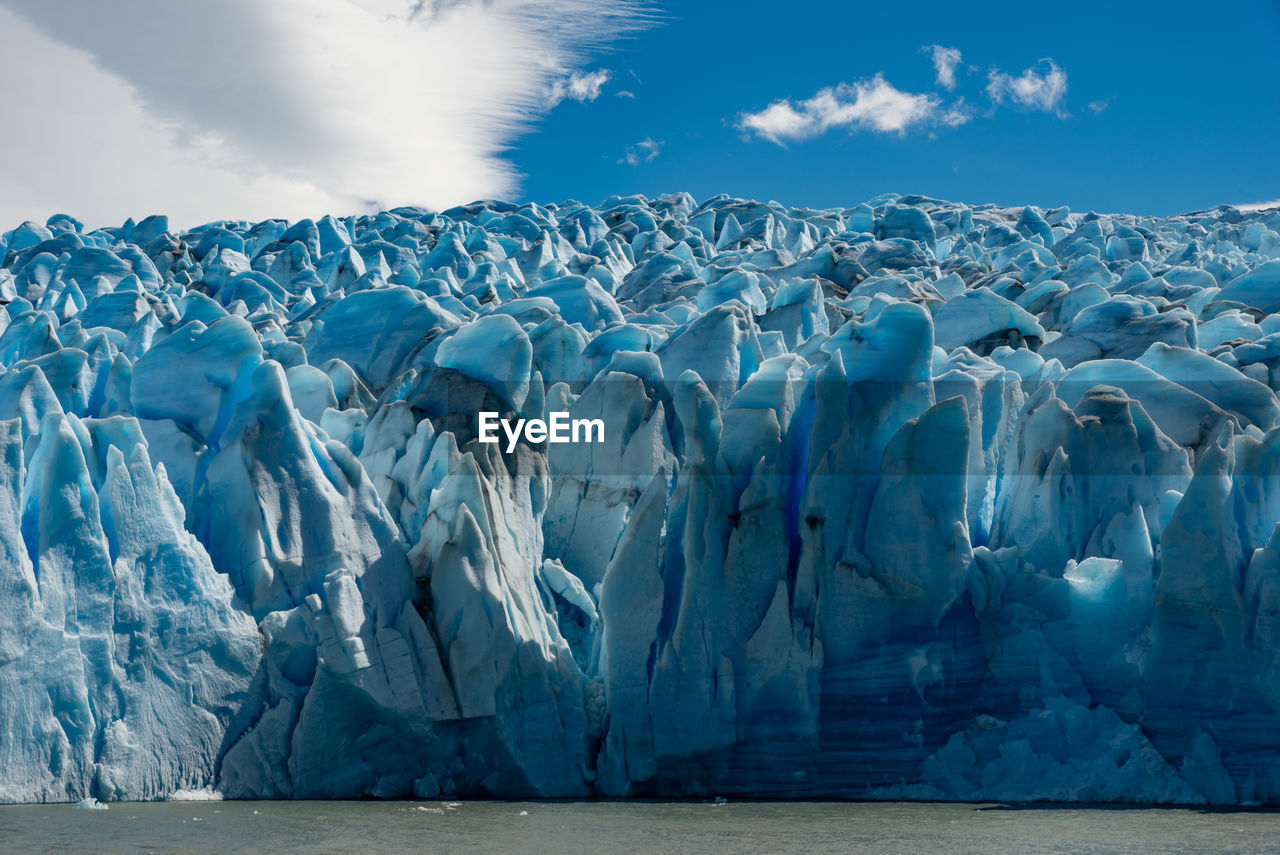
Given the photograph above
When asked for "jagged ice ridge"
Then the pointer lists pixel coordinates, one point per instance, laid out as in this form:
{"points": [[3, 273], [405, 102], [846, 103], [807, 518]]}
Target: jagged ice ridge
{"points": [[907, 500]]}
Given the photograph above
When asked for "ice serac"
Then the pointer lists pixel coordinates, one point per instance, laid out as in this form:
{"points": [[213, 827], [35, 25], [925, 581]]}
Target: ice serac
{"points": [[909, 499], [125, 656]]}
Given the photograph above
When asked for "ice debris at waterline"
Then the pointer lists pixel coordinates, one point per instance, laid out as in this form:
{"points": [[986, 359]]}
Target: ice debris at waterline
{"points": [[911, 499]]}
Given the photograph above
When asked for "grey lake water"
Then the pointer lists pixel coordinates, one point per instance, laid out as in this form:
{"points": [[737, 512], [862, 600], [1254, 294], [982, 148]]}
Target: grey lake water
{"points": [[569, 828]]}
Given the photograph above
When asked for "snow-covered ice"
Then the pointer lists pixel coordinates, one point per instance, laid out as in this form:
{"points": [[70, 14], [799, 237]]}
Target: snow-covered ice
{"points": [[911, 499]]}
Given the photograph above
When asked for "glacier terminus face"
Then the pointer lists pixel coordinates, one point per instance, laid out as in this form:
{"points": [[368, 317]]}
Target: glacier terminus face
{"points": [[911, 499]]}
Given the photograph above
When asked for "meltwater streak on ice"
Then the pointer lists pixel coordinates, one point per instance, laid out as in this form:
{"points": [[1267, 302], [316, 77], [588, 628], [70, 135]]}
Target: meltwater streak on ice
{"points": [[590, 828], [911, 499]]}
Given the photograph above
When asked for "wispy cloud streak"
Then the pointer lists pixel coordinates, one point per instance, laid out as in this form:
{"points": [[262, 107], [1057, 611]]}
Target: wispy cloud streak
{"points": [[248, 109], [645, 151]]}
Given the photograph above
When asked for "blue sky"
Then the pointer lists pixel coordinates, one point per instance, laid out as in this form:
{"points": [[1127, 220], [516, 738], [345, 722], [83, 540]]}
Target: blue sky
{"points": [[1186, 108], [302, 107]]}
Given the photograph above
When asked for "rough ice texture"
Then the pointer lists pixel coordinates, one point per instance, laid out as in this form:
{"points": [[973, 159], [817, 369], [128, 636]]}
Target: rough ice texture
{"points": [[910, 499]]}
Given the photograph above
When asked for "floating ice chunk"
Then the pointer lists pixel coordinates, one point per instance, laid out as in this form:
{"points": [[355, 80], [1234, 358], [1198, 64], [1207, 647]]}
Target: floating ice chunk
{"points": [[203, 794]]}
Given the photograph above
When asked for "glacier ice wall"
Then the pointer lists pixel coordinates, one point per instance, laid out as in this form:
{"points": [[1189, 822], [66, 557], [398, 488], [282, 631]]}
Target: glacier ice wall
{"points": [[909, 499]]}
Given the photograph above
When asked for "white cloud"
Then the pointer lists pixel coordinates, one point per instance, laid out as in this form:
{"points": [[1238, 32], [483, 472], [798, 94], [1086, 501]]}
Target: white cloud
{"points": [[779, 121], [243, 109], [1038, 88], [578, 86], [645, 151], [870, 104], [945, 60], [1257, 206], [955, 115], [1096, 107]]}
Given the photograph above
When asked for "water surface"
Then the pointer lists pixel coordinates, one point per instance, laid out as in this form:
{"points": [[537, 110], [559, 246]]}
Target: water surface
{"points": [[574, 828]]}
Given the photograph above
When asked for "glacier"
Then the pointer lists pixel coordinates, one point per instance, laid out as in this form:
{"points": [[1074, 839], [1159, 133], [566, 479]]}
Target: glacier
{"points": [[907, 500]]}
